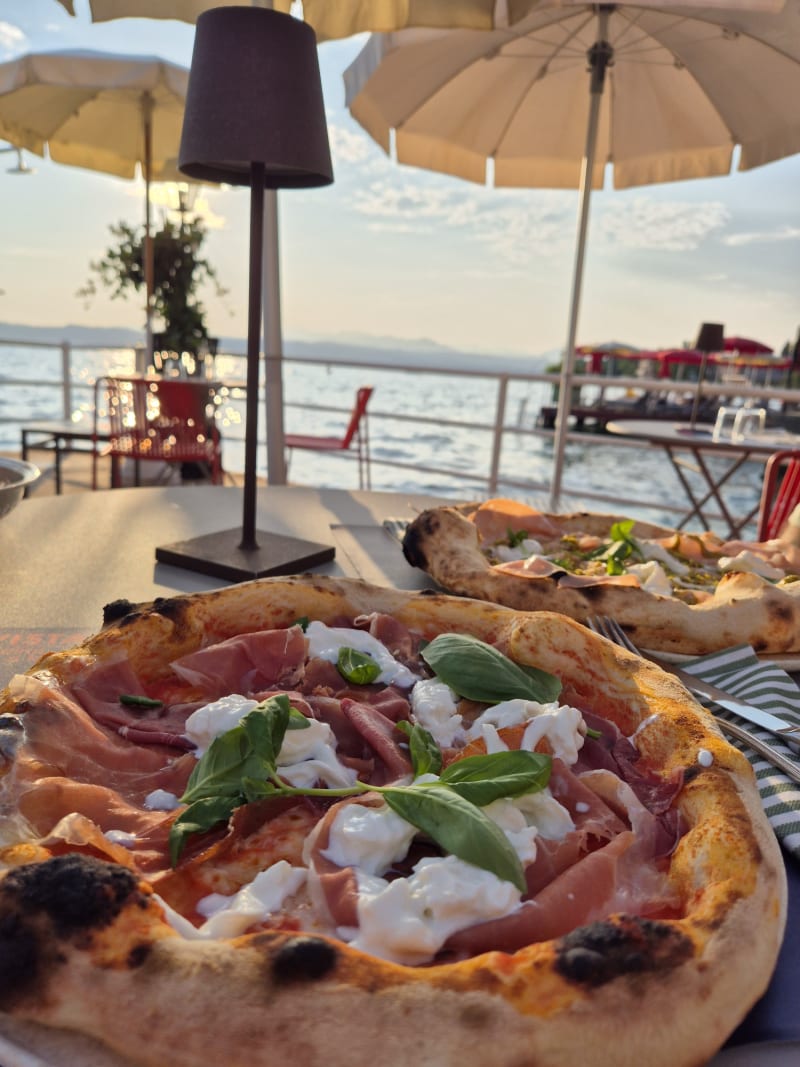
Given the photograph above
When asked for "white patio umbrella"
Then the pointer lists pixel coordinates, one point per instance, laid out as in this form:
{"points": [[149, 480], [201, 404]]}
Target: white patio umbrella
{"points": [[685, 85], [104, 112], [331, 19]]}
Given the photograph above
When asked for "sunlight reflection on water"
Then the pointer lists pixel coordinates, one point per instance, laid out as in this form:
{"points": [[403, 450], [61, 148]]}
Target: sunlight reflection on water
{"points": [[594, 464]]}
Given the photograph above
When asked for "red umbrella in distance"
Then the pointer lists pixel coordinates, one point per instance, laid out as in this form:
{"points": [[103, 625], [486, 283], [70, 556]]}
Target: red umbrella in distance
{"points": [[746, 346]]}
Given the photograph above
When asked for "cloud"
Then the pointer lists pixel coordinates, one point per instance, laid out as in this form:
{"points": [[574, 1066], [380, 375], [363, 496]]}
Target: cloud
{"points": [[11, 38], [514, 226], [664, 225], [787, 233], [348, 146]]}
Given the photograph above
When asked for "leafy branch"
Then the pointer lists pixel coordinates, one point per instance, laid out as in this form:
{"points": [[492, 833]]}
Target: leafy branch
{"points": [[179, 270]]}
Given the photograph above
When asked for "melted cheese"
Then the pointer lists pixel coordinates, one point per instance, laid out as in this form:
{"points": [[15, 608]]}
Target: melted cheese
{"points": [[559, 723], [216, 718], [229, 916], [751, 563], [325, 642], [652, 550], [651, 577], [409, 919], [434, 706], [371, 839], [528, 547]]}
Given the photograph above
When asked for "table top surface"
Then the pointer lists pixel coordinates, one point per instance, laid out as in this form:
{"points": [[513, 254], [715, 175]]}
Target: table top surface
{"points": [[665, 432], [64, 558]]}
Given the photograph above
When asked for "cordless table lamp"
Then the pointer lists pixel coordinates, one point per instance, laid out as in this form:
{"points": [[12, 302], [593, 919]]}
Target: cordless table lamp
{"points": [[710, 339], [254, 116]]}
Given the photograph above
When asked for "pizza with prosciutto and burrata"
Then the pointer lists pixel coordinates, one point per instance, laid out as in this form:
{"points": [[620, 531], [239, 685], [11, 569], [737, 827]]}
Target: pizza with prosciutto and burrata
{"points": [[313, 821], [674, 592]]}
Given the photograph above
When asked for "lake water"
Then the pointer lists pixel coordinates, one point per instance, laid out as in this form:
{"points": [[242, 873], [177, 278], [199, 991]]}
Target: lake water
{"points": [[398, 447]]}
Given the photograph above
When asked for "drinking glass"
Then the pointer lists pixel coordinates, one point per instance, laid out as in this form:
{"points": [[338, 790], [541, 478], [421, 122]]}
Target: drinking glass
{"points": [[724, 426], [749, 422]]}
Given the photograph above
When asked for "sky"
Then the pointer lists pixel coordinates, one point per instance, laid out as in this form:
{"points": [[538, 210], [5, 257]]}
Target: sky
{"points": [[394, 252]]}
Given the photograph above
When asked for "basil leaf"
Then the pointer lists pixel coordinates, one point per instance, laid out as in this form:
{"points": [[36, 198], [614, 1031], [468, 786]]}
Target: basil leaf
{"points": [[219, 770], [266, 725], [133, 700], [613, 566], [484, 779], [297, 720], [357, 667], [201, 815], [302, 622], [258, 789], [480, 672], [516, 537], [426, 756], [458, 827], [621, 531]]}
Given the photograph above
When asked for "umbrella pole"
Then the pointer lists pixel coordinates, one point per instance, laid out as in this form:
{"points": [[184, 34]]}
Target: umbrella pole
{"points": [[147, 116], [273, 344], [600, 55]]}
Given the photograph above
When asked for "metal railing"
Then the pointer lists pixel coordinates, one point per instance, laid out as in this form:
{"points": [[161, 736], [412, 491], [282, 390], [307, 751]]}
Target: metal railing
{"points": [[507, 413]]}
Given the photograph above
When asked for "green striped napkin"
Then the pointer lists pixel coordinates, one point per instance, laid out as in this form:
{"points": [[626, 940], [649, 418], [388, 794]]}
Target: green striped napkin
{"points": [[739, 672]]}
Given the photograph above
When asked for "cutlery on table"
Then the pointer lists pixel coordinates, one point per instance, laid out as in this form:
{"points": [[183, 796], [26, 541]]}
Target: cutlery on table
{"points": [[609, 628]]}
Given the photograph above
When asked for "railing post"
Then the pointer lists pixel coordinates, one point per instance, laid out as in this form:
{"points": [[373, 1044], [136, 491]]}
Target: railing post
{"points": [[140, 359], [66, 378], [497, 437]]}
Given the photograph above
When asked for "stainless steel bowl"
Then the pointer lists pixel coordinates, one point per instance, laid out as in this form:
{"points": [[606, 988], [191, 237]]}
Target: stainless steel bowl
{"points": [[15, 477]]}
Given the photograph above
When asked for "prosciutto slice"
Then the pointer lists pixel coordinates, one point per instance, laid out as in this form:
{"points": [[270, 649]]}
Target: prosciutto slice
{"points": [[247, 664]]}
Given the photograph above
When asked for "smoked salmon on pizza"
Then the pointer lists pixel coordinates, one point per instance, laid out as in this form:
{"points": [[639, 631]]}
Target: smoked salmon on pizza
{"points": [[317, 822], [674, 592]]}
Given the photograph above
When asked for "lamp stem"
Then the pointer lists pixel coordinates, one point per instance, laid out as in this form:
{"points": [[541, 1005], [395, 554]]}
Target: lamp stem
{"points": [[249, 542]]}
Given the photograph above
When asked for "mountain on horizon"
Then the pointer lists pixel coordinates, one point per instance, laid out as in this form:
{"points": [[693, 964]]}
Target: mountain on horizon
{"points": [[344, 347]]}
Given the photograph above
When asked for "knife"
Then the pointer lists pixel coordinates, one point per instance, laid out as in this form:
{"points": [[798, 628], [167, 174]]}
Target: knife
{"points": [[765, 719]]}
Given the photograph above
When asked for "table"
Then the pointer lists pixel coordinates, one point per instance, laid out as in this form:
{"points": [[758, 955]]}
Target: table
{"points": [[59, 438], [676, 438], [63, 558]]}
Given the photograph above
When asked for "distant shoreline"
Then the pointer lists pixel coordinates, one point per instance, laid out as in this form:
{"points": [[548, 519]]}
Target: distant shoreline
{"points": [[383, 350]]}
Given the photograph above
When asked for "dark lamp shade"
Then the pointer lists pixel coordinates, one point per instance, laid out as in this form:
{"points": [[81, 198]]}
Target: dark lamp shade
{"points": [[255, 96], [711, 337]]}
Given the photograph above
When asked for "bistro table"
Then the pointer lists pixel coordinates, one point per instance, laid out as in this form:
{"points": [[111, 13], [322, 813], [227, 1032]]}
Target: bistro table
{"points": [[60, 438], [63, 558], [679, 438]]}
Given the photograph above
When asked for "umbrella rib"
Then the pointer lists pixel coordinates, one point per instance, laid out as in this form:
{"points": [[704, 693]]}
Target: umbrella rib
{"points": [[558, 50]]}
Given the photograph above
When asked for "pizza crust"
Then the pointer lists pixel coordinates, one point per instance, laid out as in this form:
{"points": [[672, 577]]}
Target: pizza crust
{"points": [[635, 991], [745, 608]]}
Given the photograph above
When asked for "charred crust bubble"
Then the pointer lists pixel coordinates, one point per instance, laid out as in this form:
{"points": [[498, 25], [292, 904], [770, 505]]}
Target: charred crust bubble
{"points": [[425, 525], [77, 893], [117, 610], [595, 954], [20, 959], [303, 959]]}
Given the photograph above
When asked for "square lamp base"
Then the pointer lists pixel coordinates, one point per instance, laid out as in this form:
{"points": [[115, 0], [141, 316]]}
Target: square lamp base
{"points": [[219, 555]]}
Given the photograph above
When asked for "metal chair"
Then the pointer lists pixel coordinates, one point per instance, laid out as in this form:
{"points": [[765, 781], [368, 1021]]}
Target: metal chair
{"points": [[168, 420], [780, 493], [357, 433]]}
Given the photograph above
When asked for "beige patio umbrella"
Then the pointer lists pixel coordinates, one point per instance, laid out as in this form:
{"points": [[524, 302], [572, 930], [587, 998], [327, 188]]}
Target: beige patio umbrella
{"points": [[104, 112], [525, 105], [331, 19]]}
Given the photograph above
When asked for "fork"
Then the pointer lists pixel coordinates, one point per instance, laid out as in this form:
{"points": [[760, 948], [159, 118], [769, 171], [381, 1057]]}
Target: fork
{"points": [[609, 628]]}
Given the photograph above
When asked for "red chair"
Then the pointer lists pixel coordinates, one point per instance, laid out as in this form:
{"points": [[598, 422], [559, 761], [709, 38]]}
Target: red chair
{"points": [[169, 420], [357, 433], [780, 493]]}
